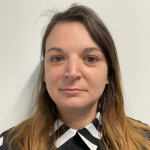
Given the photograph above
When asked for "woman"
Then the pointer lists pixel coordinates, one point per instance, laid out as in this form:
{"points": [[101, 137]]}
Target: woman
{"points": [[79, 102]]}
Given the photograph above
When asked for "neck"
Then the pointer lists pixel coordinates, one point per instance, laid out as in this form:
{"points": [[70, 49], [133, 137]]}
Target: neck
{"points": [[77, 118]]}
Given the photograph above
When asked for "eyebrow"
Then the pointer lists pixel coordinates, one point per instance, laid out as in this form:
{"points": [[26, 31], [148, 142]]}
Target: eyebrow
{"points": [[87, 49], [55, 48]]}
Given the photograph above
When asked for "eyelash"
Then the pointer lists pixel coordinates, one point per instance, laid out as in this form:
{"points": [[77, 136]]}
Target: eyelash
{"points": [[56, 57], [95, 59], [60, 57]]}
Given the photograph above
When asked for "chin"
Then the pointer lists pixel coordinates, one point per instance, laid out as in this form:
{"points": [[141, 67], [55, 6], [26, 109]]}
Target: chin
{"points": [[75, 103], [76, 106]]}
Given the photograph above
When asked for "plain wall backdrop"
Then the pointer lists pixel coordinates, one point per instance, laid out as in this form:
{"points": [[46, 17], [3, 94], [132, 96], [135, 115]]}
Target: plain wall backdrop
{"points": [[20, 42]]}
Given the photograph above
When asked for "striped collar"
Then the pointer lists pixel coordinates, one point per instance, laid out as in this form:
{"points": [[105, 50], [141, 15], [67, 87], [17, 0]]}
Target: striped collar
{"points": [[89, 136]]}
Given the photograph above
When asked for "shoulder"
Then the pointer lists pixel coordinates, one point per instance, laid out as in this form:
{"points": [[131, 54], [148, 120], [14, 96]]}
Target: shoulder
{"points": [[138, 121], [141, 125], [3, 140]]}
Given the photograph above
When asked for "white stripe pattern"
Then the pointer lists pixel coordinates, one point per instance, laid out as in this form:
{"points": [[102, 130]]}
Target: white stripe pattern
{"points": [[67, 140], [57, 124], [98, 116], [91, 128], [70, 133], [1, 141], [65, 137], [88, 143]]}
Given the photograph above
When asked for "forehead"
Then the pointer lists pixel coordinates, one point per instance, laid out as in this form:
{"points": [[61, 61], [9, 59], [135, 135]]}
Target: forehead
{"points": [[74, 26], [69, 34]]}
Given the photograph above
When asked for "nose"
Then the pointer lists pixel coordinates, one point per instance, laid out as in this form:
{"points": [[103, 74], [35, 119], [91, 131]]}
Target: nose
{"points": [[73, 69]]}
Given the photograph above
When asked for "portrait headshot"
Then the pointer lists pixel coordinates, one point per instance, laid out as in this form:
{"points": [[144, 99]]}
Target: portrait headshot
{"points": [[75, 75]]}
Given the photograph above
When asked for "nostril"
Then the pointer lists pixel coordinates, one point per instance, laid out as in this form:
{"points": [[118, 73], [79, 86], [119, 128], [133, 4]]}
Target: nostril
{"points": [[73, 69], [71, 75]]}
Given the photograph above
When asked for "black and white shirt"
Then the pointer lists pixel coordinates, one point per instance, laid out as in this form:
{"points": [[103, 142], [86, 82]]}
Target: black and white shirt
{"points": [[87, 138]]}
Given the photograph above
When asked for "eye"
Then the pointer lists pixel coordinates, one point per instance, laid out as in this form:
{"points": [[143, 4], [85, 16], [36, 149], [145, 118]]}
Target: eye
{"points": [[57, 58], [91, 59]]}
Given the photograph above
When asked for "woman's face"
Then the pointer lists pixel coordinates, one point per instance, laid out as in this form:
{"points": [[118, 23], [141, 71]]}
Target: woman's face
{"points": [[75, 67]]}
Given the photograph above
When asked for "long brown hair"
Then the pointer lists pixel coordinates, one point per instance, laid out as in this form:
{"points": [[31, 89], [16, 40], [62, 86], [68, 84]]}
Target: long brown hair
{"points": [[119, 132]]}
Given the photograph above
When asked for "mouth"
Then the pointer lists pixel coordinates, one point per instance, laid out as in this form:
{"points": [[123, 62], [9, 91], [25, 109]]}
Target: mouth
{"points": [[72, 91]]}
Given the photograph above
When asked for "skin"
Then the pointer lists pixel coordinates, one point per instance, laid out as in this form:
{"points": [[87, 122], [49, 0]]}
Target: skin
{"points": [[74, 60]]}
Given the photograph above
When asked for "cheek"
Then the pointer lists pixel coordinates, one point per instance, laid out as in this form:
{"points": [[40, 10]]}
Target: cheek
{"points": [[97, 79], [53, 76], [97, 75]]}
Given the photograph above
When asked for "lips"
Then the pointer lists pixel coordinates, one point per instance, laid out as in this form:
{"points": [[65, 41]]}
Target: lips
{"points": [[72, 90]]}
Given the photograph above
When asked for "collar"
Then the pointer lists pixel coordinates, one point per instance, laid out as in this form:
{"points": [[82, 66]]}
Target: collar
{"points": [[90, 134]]}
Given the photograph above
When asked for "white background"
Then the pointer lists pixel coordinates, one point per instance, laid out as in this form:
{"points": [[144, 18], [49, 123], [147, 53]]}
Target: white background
{"points": [[20, 40]]}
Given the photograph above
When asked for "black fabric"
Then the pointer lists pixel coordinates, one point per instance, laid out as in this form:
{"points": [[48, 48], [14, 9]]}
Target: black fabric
{"points": [[75, 142], [5, 143], [89, 136], [70, 139], [65, 145]]}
